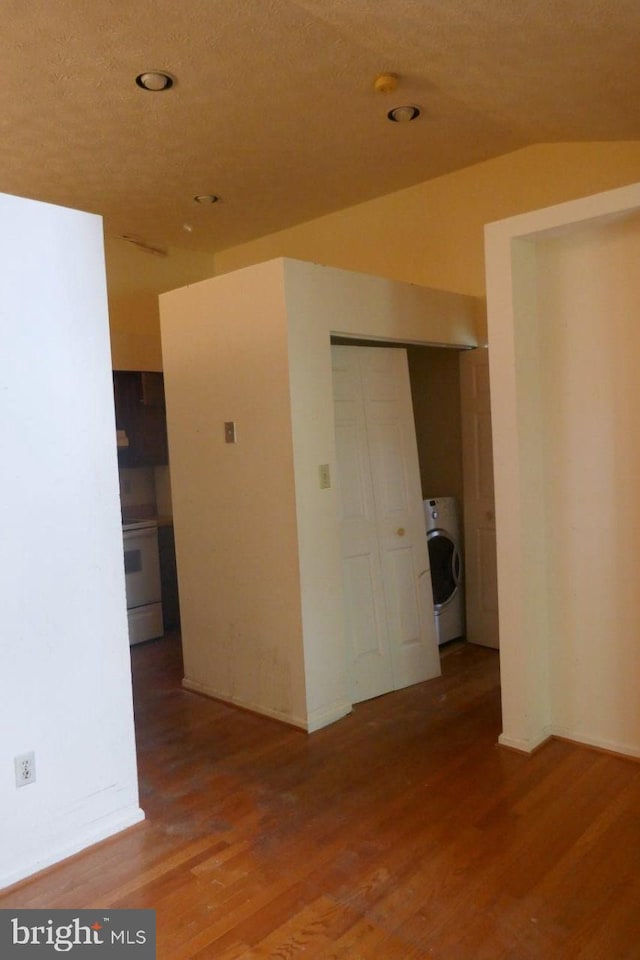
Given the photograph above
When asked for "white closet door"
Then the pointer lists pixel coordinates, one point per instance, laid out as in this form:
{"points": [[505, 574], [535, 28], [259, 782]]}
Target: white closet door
{"points": [[366, 617], [377, 457]]}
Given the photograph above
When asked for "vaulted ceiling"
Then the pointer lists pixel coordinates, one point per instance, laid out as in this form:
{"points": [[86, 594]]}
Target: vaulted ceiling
{"points": [[273, 106]]}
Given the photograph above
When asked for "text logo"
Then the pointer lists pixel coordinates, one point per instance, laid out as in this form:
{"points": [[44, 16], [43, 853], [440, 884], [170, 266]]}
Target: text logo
{"points": [[126, 934]]}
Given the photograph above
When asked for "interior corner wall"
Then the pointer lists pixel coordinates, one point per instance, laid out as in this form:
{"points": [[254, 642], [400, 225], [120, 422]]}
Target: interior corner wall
{"points": [[226, 359], [588, 309], [564, 296], [65, 682]]}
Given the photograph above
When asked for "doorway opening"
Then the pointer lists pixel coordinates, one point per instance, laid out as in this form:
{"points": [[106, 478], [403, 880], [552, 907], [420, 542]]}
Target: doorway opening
{"points": [[454, 451]]}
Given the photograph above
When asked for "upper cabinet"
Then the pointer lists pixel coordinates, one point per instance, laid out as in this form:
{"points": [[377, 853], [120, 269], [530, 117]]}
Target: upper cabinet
{"points": [[141, 414]]}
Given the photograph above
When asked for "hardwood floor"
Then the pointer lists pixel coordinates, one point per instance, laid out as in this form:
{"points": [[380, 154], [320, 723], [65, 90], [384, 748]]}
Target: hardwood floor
{"points": [[402, 832]]}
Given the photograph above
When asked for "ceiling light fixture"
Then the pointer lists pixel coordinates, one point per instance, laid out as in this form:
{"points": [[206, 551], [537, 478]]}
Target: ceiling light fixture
{"points": [[156, 81], [385, 82], [403, 114], [205, 198]]}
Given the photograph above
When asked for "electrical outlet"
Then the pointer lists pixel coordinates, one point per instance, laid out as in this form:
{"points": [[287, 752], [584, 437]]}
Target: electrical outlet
{"points": [[25, 767]]}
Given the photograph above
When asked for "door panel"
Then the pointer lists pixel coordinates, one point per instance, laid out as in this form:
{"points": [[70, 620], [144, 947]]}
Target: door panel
{"points": [[360, 578], [388, 466], [352, 484], [365, 613], [383, 433], [404, 602]]}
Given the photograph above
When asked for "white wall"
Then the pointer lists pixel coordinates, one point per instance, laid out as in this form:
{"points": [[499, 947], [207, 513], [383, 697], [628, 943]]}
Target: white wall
{"points": [[65, 682], [564, 299], [257, 541]]}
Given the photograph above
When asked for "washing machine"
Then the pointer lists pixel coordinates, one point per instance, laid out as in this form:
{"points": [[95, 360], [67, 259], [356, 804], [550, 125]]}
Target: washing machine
{"points": [[443, 540]]}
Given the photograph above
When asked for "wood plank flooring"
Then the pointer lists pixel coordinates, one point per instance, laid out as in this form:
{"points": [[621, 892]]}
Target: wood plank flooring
{"points": [[403, 832]]}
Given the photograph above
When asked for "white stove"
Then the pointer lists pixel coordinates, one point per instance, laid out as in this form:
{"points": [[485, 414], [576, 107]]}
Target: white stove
{"points": [[142, 578]]}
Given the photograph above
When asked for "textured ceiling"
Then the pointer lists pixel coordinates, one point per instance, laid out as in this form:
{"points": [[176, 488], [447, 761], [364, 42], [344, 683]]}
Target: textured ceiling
{"points": [[274, 108]]}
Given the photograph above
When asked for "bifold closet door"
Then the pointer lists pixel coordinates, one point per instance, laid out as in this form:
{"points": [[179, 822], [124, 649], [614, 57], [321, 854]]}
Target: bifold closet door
{"points": [[387, 587]]}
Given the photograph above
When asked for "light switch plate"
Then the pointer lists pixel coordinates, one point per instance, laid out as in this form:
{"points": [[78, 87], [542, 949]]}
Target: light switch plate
{"points": [[325, 476], [230, 431]]}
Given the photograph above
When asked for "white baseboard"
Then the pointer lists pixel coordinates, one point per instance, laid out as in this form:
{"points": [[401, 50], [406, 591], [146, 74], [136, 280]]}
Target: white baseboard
{"points": [[326, 715], [208, 691], [525, 746], [564, 733], [600, 743], [315, 721], [98, 831]]}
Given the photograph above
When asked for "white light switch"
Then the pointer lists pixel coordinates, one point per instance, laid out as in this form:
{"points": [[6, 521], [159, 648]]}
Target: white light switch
{"points": [[230, 431], [325, 476]]}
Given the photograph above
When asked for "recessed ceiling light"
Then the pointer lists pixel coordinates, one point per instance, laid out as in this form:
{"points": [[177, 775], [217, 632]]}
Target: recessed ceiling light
{"points": [[205, 198], [403, 114], [154, 80]]}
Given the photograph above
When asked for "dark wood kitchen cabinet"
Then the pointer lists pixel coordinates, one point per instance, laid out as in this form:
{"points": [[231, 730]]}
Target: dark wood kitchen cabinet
{"points": [[140, 412]]}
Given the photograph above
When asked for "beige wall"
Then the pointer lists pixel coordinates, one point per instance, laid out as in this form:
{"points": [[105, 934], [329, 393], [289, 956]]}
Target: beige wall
{"points": [[588, 309], [135, 277], [225, 346], [431, 234], [564, 298], [134, 326]]}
